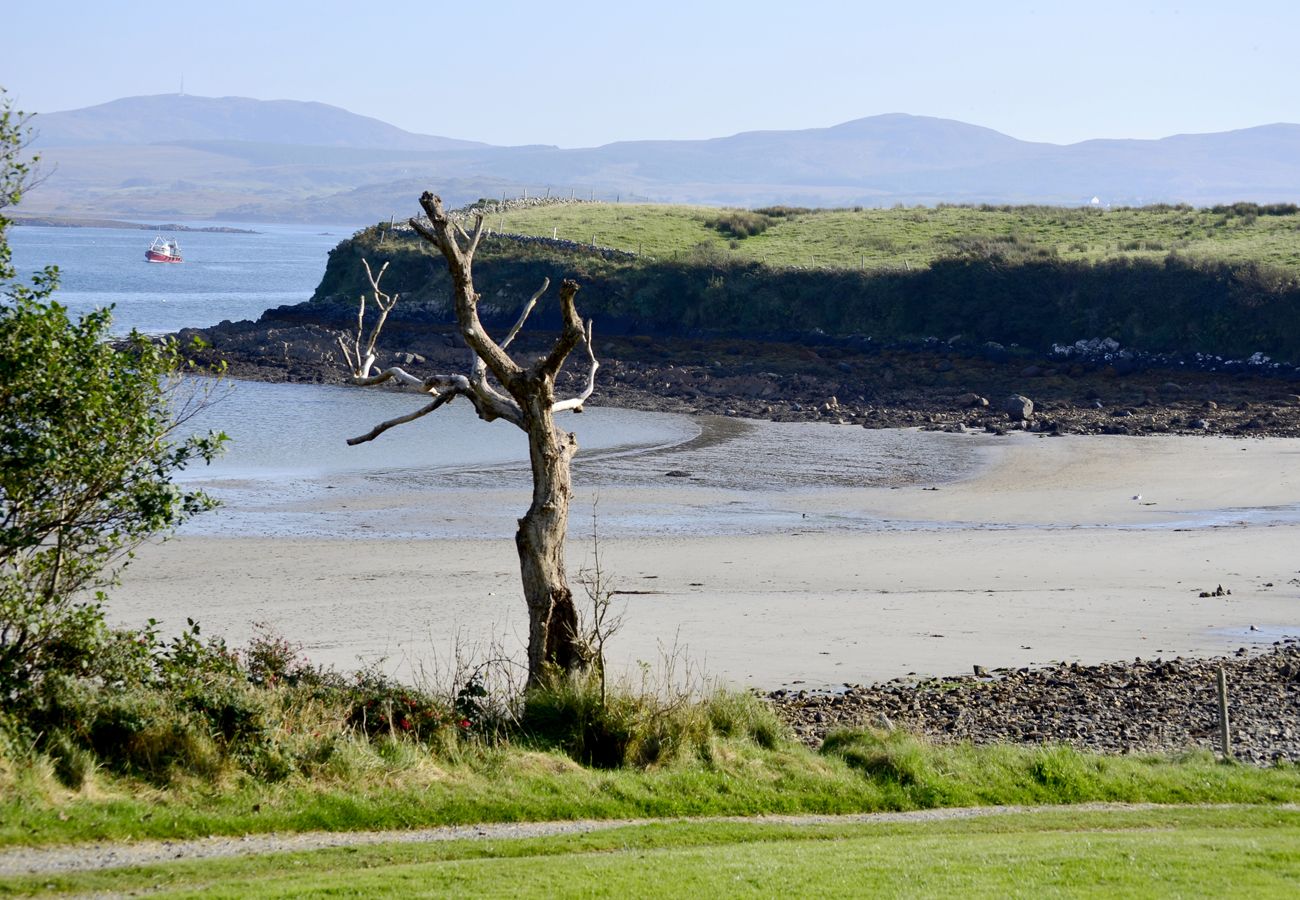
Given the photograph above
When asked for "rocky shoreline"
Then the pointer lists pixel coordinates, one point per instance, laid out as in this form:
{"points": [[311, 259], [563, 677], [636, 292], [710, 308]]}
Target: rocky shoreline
{"points": [[930, 387], [1141, 706]]}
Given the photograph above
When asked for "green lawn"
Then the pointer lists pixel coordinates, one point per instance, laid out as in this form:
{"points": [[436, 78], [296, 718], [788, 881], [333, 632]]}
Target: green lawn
{"points": [[1241, 851]]}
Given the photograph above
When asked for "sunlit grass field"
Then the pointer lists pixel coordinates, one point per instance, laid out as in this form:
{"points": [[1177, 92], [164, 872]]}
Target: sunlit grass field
{"points": [[913, 237]]}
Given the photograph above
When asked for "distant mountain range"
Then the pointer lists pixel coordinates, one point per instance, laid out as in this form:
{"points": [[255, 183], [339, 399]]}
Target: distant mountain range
{"points": [[234, 158]]}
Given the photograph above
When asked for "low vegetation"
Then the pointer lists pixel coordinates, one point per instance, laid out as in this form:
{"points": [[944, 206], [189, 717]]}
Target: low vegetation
{"points": [[186, 736]]}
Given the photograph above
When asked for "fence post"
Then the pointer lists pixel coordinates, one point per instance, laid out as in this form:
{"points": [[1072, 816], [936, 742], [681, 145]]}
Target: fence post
{"points": [[1225, 734]]}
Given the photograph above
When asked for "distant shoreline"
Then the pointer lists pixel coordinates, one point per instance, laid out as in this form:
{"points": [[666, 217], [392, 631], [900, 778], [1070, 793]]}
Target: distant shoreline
{"points": [[72, 222]]}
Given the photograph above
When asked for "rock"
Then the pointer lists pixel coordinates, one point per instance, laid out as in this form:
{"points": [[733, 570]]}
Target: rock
{"points": [[972, 401], [1018, 408], [1031, 372], [677, 473]]}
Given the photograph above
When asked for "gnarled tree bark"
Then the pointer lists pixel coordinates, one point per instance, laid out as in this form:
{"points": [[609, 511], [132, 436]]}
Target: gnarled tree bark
{"points": [[525, 397]]}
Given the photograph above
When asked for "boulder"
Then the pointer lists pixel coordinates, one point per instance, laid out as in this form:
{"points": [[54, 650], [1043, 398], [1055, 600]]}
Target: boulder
{"points": [[1018, 408], [972, 400]]}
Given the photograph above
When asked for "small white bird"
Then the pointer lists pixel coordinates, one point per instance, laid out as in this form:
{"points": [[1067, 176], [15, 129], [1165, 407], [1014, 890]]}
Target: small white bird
{"points": [[1137, 496]]}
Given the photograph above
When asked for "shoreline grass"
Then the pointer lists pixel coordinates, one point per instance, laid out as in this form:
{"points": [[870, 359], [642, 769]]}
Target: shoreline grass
{"points": [[408, 786]]}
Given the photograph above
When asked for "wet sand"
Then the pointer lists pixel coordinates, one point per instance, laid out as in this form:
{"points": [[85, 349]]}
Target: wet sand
{"points": [[1018, 550]]}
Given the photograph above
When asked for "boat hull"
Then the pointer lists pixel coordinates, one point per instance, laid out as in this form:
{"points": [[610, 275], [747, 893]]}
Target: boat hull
{"points": [[154, 256]]}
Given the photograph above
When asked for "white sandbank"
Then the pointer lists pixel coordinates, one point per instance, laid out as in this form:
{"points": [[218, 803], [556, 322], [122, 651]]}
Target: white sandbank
{"points": [[1042, 554]]}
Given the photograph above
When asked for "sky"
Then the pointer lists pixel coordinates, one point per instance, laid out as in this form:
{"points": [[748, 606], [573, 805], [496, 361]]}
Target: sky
{"points": [[580, 73]]}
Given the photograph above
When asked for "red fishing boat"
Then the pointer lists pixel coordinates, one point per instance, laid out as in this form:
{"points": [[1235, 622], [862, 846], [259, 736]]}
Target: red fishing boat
{"points": [[163, 250]]}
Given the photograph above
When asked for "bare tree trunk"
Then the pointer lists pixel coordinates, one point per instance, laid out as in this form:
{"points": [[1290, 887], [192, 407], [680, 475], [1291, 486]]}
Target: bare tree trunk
{"points": [[554, 636], [523, 396]]}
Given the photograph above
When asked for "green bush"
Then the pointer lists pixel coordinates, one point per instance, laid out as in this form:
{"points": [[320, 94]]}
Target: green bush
{"points": [[741, 223], [146, 732], [270, 659], [786, 212], [381, 707]]}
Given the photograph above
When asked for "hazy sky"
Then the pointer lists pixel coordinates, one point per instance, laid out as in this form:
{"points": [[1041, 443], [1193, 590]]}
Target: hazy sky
{"points": [[578, 73]]}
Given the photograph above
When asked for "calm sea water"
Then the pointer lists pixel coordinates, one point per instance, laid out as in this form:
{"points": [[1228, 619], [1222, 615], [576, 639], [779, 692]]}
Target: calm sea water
{"points": [[288, 469], [224, 276]]}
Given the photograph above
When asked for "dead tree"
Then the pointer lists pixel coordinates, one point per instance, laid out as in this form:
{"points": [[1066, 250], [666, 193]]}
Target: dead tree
{"points": [[498, 387]]}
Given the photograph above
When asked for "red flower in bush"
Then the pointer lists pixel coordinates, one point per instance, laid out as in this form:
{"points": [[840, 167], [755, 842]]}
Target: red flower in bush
{"points": [[406, 724], [463, 723]]}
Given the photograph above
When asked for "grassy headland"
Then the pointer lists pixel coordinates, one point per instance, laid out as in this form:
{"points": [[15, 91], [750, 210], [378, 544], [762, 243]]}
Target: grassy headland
{"points": [[1159, 279], [899, 238]]}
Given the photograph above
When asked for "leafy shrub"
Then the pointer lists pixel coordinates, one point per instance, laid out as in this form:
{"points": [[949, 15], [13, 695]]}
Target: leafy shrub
{"points": [[189, 659], [741, 223], [137, 731], [235, 712], [87, 428], [270, 659], [1251, 211], [379, 706]]}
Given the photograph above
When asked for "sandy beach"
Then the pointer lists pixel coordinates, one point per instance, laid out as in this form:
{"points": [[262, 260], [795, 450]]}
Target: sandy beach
{"points": [[1031, 550]]}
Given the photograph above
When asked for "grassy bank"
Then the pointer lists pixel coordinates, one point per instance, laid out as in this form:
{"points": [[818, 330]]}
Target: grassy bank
{"points": [[187, 737], [1202, 852], [401, 783]]}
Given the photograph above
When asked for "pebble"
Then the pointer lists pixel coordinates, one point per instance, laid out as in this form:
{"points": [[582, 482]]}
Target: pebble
{"points": [[1141, 706]]}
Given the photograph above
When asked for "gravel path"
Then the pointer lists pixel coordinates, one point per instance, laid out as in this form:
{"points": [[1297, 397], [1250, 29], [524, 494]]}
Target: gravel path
{"points": [[115, 855]]}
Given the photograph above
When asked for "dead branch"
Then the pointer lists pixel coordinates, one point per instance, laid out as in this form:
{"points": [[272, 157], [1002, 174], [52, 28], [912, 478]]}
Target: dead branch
{"points": [[523, 316], [395, 373], [361, 361], [576, 403], [571, 333], [402, 420]]}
